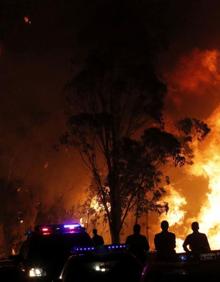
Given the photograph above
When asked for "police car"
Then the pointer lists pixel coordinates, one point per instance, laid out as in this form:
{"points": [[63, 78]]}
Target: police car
{"points": [[8, 271], [46, 249], [184, 268], [102, 264]]}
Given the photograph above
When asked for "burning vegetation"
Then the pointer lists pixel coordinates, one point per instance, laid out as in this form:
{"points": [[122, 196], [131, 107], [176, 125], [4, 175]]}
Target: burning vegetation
{"points": [[197, 77], [207, 163]]}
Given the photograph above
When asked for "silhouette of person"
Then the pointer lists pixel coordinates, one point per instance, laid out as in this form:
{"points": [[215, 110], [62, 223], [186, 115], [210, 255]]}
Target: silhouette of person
{"points": [[165, 243], [138, 244], [97, 239], [196, 242]]}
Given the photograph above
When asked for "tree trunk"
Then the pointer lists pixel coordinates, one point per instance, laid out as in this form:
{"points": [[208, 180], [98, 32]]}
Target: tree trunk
{"points": [[7, 240], [115, 214], [115, 224]]}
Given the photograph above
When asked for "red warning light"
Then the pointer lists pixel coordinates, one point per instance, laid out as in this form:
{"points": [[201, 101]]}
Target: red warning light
{"points": [[27, 20], [46, 231]]}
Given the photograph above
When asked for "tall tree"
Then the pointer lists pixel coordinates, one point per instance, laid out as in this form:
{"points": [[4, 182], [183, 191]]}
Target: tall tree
{"points": [[115, 106]]}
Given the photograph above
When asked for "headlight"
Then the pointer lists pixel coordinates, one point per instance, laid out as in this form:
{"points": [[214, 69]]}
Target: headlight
{"points": [[37, 272], [101, 267]]}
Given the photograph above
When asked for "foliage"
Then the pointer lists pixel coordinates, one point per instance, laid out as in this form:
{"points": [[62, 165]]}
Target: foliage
{"points": [[118, 128], [115, 118], [56, 212]]}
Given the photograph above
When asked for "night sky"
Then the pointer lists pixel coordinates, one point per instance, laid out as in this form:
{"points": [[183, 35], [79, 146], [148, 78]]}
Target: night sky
{"points": [[35, 65]]}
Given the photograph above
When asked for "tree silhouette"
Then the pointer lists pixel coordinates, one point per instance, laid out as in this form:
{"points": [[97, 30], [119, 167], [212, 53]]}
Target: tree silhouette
{"points": [[115, 116]]}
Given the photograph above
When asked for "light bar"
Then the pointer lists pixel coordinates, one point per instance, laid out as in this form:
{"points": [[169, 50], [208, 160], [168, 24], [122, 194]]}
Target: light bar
{"points": [[117, 246], [85, 249], [101, 249], [72, 226], [49, 229]]}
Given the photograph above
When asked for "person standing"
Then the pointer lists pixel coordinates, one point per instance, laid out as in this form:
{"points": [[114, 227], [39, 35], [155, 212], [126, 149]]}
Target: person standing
{"points": [[196, 242], [138, 243], [165, 243], [97, 239]]}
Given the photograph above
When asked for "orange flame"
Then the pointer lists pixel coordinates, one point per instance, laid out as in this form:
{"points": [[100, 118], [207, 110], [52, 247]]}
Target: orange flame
{"points": [[197, 76], [95, 205], [207, 164], [193, 76], [176, 213]]}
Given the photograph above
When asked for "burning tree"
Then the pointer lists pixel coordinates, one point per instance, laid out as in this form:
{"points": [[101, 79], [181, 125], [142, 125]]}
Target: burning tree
{"points": [[55, 213], [115, 118], [115, 121]]}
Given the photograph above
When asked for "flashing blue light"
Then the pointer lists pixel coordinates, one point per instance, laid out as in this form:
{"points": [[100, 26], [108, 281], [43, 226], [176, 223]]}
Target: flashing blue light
{"points": [[118, 246], [50, 229], [183, 257], [103, 249], [84, 249]]}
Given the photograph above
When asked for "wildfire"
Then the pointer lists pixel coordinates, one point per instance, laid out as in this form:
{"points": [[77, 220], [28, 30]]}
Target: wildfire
{"points": [[95, 205], [176, 213], [207, 163], [198, 74], [96, 208]]}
